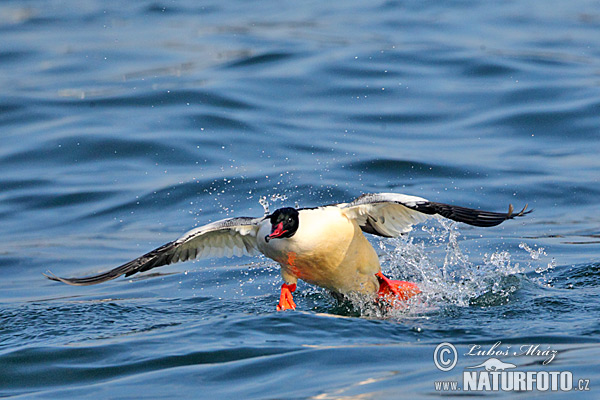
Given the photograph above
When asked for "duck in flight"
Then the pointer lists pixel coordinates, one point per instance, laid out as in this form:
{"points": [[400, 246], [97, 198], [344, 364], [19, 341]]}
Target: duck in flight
{"points": [[324, 246]]}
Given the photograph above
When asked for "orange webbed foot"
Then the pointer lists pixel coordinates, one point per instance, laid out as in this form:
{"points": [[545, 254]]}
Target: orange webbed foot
{"points": [[402, 290], [286, 300]]}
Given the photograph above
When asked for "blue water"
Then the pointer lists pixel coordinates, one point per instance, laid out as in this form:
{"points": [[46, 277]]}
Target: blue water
{"points": [[124, 124]]}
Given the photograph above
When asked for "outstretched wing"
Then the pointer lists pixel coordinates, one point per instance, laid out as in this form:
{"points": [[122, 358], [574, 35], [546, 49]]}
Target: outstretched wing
{"points": [[390, 214], [225, 238]]}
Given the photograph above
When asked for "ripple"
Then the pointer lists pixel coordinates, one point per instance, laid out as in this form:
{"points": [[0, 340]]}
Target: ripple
{"points": [[399, 118], [365, 71], [157, 98], [98, 148], [261, 59], [414, 168], [545, 121], [485, 69], [215, 121], [79, 366], [14, 56], [578, 276]]}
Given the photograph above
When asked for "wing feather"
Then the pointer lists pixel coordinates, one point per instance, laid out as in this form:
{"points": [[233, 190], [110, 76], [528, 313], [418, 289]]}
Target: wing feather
{"points": [[228, 237], [391, 214]]}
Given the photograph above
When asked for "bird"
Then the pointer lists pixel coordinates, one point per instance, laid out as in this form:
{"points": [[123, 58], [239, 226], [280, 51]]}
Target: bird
{"points": [[324, 246]]}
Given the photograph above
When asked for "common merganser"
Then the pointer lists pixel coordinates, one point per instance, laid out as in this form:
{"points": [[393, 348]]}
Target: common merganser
{"points": [[324, 246]]}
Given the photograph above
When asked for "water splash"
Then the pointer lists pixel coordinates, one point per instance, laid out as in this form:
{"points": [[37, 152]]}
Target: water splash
{"points": [[535, 254], [444, 272], [264, 201], [544, 269]]}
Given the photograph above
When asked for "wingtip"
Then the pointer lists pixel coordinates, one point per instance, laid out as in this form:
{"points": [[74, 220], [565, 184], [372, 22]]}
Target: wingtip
{"points": [[521, 213], [48, 274]]}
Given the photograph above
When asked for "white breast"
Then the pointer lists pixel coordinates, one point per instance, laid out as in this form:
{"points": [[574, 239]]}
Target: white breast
{"points": [[317, 227], [328, 250]]}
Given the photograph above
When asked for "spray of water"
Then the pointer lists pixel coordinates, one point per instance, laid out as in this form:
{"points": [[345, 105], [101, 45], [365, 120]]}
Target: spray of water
{"points": [[265, 201], [543, 270], [445, 274]]}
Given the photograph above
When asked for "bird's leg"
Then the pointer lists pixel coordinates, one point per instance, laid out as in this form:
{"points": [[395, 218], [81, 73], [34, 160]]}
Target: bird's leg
{"points": [[286, 300], [402, 290]]}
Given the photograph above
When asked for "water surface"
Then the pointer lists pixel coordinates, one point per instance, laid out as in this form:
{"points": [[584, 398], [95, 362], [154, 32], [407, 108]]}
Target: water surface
{"points": [[125, 124]]}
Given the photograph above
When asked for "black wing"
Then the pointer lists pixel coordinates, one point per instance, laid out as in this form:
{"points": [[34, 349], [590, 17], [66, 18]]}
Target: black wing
{"points": [[469, 215], [391, 214], [228, 237]]}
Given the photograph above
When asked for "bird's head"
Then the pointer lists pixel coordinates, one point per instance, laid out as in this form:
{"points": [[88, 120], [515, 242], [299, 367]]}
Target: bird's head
{"points": [[284, 223]]}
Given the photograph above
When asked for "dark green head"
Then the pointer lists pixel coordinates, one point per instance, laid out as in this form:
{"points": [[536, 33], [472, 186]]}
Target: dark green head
{"points": [[284, 223]]}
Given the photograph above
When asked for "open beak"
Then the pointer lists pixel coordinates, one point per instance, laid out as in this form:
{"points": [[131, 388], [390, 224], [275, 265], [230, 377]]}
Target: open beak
{"points": [[276, 232]]}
